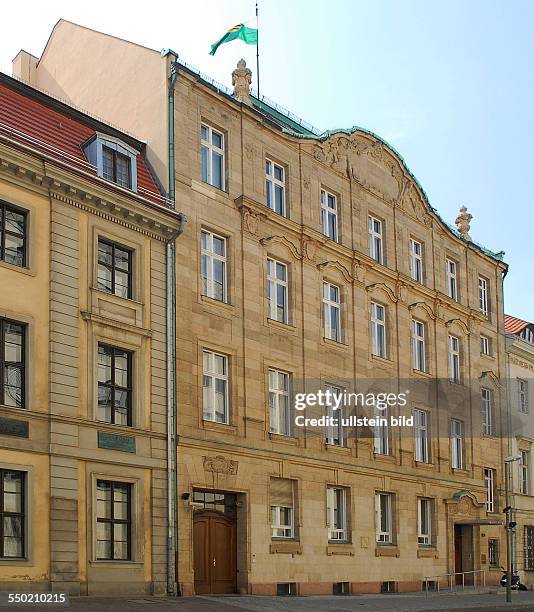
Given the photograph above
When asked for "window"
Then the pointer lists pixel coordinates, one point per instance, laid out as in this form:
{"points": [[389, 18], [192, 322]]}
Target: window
{"points": [[331, 312], [114, 269], [485, 345], [454, 359], [12, 514], [114, 385], [213, 265], [334, 432], [329, 217], [215, 387], [282, 508], [493, 552], [381, 432], [418, 346], [376, 250], [489, 479], [212, 148], [424, 521], [113, 521], [529, 548], [457, 444], [522, 389], [336, 511], [384, 518], [524, 472], [452, 279], [275, 183], [116, 167], [416, 260], [279, 402], [483, 295], [114, 161], [421, 436], [12, 235], [487, 412], [12, 363], [277, 290], [527, 335], [378, 330]]}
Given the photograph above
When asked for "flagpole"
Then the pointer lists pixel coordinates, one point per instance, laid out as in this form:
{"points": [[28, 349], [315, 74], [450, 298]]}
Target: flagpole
{"points": [[257, 52]]}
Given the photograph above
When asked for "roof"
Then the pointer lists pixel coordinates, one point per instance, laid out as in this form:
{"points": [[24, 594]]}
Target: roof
{"points": [[513, 325], [59, 131]]}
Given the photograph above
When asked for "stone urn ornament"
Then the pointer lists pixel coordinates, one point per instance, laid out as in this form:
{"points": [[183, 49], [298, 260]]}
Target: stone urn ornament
{"points": [[463, 223]]}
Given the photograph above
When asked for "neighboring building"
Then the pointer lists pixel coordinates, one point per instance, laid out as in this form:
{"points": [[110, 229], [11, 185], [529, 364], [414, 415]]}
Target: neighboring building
{"points": [[520, 368], [318, 258], [83, 232]]}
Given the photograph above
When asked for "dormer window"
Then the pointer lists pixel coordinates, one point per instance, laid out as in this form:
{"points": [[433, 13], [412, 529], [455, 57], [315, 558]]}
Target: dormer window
{"points": [[114, 160]]}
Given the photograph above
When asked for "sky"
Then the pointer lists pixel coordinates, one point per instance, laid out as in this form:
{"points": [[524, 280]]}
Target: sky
{"points": [[448, 84]]}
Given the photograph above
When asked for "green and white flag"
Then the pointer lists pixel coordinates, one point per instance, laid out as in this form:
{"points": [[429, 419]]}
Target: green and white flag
{"points": [[240, 31]]}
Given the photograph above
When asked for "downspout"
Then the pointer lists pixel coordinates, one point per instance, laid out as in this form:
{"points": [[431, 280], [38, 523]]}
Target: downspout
{"points": [[172, 476]]}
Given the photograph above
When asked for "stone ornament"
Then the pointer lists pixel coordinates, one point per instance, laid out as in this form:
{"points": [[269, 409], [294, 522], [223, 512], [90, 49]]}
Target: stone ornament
{"points": [[220, 465], [463, 223], [241, 80]]}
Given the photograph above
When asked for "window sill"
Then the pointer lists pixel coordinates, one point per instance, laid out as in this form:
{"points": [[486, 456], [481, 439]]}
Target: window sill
{"points": [[215, 303], [339, 548], [385, 458], [337, 344], [15, 268], [386, 550], [427, 552], [287, 547], [220, 427], [425, 465], [286, 439], [15, 561], [121, 564], [336, 448], [279, 325], [421, 373], [382, 360], [119, 298]]}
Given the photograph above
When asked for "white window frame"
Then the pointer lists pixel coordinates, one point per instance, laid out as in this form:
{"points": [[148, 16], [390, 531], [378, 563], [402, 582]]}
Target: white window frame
{"points": [[208, 411], [211, 256], [384, 536], [522, 393], [454, 359], [336, 495], [452, 279], [381, 434], [424, 528], [335, 435], [489, 480], [421, 427], [378, 324], [485, 345], [416, 260], [376, 239], [273, 282], [275, 393], [288, 529], [457, 444], [329, 215], [211, 150], [483, 293], [271, 183], [331, 332], [418, 345], [524, 472], [487, 411]]}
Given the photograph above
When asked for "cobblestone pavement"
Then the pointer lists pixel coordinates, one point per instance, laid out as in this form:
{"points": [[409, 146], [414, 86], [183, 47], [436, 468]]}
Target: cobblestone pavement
{"points": [[417, 602]]}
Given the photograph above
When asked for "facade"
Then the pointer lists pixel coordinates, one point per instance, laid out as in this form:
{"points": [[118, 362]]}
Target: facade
{"points": [[310, 259], [520, 367], [83, 232]]}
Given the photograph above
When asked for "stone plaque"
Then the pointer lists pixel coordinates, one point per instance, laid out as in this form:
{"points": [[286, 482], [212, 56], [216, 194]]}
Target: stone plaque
{"points": [[14, 427], [126, 444]]}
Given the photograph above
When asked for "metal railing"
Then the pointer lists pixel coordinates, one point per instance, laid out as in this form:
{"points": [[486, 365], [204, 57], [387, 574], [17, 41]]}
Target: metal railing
{"points": [[451, 580]]}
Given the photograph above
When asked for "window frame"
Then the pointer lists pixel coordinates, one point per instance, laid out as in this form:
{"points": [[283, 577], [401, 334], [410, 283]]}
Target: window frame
{"points": [[522, 392], [381, 445], [489, 481], [277, 524], [421, 433], [5, 207], [455, 373], [416, 260], [21, 366], [130, 273], [485, 345], [457, 444], [329, 305], [483, 295], [418, 346], [271, 183], [211, 256], [329, 215], [22, 515], [113, 521], [215, 376], [112, 386], [116, 155], [341, 502], [375, 239], [384, 537], [378, 349], [452, 278], [425, 534], [494, 557], [524, 472], [274, 406], [273, 282], [529, 547], [211, 150], [486, 395], [338, 429]]}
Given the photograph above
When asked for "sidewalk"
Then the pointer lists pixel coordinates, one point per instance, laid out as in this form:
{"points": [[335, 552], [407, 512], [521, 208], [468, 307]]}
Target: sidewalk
{"points": [[418, 602]]}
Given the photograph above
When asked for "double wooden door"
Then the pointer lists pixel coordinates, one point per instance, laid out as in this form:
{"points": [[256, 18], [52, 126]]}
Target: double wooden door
{"points": [[214, 550]]}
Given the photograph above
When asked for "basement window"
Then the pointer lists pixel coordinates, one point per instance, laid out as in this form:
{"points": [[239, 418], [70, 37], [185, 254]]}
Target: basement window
{"points": [[114, 160], [388, 587], [286, 589], [341, 588]]}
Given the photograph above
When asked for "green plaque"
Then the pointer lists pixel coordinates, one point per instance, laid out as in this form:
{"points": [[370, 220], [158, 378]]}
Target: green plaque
{"points": [[14, 427], [125, 444]]}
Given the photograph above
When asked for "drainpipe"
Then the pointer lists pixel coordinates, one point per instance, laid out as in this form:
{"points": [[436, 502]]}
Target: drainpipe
{"points": [[172, 476]]}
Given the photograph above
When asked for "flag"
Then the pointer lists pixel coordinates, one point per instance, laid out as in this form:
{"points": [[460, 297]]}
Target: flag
{"points": [[241, 31]]}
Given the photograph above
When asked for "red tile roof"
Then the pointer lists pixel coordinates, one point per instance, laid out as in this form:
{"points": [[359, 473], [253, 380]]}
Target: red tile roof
{"points": [[513, 325], [52, 130]]}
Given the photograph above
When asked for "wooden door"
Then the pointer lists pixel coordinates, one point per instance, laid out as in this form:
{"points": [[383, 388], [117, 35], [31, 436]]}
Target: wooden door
{"points": [[214, 550]]}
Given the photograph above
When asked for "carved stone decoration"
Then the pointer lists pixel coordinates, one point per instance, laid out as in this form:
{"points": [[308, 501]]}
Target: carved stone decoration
{"points": [[293, 250], [249, 150], [335, 265], [463, 223], [220, 465], [423, 306], [310, 247], [306, 182], [250, 220], [358, 271], [241, 80], [401, 291]]}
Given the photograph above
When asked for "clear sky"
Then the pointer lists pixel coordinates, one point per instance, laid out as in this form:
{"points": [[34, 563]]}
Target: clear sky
{"points": [[448, 83]]}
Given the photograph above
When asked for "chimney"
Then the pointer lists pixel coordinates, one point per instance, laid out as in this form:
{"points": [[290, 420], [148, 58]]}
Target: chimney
{"points": [[24, 66]]}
